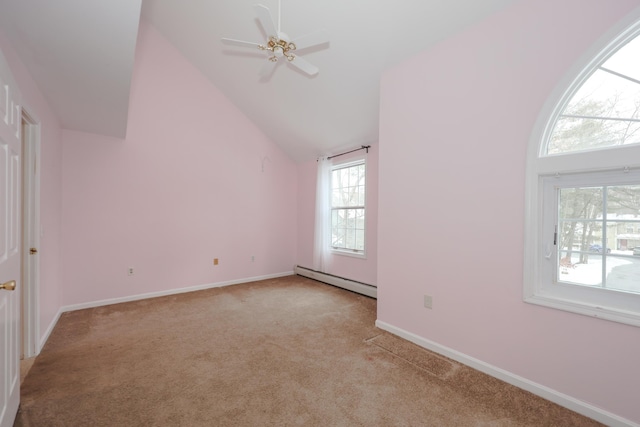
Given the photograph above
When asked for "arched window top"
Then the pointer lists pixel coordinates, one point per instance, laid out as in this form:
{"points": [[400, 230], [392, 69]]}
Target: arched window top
{"points": [[602, 109], [582, 223]]}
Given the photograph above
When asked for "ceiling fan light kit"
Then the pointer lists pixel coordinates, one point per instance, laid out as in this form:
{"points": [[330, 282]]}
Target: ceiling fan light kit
{"points": [[279, 45]]}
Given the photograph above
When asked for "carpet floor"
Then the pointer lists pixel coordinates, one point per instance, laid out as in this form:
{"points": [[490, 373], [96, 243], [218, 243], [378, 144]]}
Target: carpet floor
{"points": [[278, 352]]}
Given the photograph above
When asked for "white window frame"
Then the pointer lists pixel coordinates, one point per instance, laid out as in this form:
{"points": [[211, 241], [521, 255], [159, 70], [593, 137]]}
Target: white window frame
{"points": [[545, 173], [346, 164]]}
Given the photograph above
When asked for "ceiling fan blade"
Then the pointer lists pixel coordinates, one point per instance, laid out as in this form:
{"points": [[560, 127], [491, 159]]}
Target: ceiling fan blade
{"points": [[264, 16], [240, 43], [311, 39], [304, 65], [267, 68]]}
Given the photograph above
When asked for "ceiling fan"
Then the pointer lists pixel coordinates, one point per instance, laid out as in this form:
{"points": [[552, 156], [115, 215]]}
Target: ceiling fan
{"points": [[279, 46]]}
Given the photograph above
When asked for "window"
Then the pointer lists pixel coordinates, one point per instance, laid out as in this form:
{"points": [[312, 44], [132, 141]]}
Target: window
{"points": [[583, 192], [348, 208]]}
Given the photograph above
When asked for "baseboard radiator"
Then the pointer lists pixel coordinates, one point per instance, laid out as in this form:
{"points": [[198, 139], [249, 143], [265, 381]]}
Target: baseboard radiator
{"points": [[341, 282]]}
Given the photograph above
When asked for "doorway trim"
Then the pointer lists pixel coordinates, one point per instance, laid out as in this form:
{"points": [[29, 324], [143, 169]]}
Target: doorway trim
{"points": [[31, 232]]}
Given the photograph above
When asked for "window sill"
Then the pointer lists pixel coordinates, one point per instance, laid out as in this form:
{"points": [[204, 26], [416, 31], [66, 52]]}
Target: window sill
{"points": [[606, 313], [346, 252]]}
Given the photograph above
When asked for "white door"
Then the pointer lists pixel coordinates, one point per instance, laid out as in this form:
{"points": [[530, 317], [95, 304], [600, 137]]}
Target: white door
{"points": [[10, 125]]}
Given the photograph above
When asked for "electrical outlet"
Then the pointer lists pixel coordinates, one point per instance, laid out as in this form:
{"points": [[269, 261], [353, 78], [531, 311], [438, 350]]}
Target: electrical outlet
{"points": [[253, 258], [215, 261], [428, 301], [130, 271]]}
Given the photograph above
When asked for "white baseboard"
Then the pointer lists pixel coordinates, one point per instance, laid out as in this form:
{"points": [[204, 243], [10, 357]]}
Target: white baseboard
{"points": [[100, 303], [110, 301], [554, 396], [47, 333], [350, 285]]}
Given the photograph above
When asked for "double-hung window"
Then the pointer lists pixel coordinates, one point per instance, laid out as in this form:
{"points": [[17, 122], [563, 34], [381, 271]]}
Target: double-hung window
{"points": [[348, 208], [582, 249]]}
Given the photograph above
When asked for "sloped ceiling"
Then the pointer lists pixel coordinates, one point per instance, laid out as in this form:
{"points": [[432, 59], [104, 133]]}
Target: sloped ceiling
{"points": [[81, 55]]}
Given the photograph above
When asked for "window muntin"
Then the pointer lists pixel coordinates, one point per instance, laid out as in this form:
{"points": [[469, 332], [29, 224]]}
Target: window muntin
{"points": [[348, 207], [605, 110]]}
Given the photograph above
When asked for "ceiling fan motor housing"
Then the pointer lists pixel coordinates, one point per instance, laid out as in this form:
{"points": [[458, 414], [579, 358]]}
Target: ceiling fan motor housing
{"points": [[281, 47]]}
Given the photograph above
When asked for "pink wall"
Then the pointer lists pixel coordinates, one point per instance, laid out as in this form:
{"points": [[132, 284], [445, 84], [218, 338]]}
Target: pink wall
{"points": [[184, 187], [455, 126], [358, 269], [50, 289]]}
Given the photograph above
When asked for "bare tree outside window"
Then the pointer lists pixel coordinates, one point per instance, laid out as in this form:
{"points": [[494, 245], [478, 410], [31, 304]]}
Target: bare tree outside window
{"points": [[595, 248], [348, 207]]}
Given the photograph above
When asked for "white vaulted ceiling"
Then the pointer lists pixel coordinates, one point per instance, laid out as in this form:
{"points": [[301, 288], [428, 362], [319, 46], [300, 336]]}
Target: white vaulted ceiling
{"points": [[81, 55]]}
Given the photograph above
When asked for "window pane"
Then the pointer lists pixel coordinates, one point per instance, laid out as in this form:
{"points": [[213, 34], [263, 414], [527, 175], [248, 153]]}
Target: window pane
{"points": [[605, 110], [623, 237], [360, 219], [575, 134], [338, 237], [341, 218], [596, 249], [336, 198], [580, 203], [625, 61], [360, 240], [352, 196], [623, 274], [580, 269], [623, 201], [606, 95], [347, 228], [344, 177], [580, 234], [335, 180], [623, 218], [353, 176], [351, 239]]}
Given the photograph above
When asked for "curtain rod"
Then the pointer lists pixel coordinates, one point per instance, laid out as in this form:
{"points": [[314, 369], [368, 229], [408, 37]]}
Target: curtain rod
{"points": [[363, 147]]}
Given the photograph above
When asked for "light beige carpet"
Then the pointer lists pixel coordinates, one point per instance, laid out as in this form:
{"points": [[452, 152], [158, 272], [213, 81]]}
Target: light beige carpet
{"points": [[281, 352]]}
